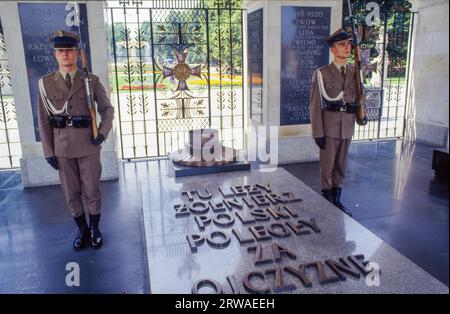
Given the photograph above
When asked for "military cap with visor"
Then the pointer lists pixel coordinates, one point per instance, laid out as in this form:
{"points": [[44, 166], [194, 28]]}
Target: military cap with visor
{"points": [[337, 36], [64, 39]]}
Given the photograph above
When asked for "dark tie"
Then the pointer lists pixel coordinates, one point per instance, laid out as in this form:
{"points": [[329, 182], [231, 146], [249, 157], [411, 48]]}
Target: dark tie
{"points": [[343, 71], [68, 82]]}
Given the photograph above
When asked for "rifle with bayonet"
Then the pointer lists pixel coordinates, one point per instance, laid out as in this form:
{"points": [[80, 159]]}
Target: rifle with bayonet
{"points": [[88, 92], [86, 80], [360, 114]]}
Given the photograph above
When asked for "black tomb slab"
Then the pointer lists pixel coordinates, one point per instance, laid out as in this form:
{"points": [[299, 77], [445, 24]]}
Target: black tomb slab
{"points": [[183, 171]]}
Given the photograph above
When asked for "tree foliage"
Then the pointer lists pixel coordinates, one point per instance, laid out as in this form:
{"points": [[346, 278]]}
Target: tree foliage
{"points": [[395, 19], [224, 29]]}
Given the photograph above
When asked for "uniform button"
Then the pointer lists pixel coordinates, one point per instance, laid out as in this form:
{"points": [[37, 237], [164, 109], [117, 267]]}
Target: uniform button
{"points": [[70, 107]]}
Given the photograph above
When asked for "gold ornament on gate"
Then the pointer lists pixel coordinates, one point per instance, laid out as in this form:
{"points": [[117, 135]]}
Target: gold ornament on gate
{"points": [[181, 71]]}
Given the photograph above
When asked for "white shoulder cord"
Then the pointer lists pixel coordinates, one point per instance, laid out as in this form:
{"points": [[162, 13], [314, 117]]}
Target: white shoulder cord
{"points": [[47, 103], [323, 92]]}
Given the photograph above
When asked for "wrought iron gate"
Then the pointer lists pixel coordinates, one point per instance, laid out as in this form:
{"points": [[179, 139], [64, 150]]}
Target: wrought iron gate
{"points": [[176, 66], [388, 47], [10, 150]]}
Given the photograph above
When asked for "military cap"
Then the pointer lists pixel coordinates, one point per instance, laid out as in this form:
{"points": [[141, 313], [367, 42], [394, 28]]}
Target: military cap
{"points": [[338, 35], [64, 39]]}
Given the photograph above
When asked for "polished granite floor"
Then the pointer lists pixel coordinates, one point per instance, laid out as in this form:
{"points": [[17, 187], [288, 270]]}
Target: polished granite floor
{"points": [[36, 232], [392, 191], [390, 188]]}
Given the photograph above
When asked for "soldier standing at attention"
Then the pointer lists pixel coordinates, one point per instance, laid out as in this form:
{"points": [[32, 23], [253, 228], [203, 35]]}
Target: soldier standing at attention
{"points": [[66, 134], [333, 106]]}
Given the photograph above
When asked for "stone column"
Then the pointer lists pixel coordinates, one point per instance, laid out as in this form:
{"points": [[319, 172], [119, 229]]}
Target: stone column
{"points": [[35, 170], [295, 143], [430, 76]]}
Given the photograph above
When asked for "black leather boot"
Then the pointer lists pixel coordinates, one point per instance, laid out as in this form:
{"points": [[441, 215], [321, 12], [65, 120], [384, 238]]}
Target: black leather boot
{"points": [[328, 195], [95, 236], [82, 237], [337, 201]]}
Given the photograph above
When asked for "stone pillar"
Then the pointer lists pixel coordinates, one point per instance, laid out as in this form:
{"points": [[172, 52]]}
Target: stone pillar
{"points": [[430, 76], [35, 170], [295, 143]]}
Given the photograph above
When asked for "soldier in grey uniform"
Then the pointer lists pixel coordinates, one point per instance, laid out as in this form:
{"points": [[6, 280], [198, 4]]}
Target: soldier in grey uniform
{"points": [[66, 134], [333, 106]]}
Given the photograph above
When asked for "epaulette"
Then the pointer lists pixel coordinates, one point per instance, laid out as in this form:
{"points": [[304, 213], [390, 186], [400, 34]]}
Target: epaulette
{"points": [[48, 75], [314, 75]]}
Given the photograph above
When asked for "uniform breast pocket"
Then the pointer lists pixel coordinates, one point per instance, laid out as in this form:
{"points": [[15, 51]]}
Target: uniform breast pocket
{"points": [[57, 99], [333, 86], [82, 104], [349, 94], [333, 89]]}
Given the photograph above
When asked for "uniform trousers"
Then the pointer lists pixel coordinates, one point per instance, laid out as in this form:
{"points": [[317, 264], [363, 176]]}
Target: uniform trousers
{"points": [[333, 162], [80, 182]]}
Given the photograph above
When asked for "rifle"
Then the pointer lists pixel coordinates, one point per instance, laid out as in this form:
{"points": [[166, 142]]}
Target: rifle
{"points": [[87, 81], [88, 89], [360, 114]]}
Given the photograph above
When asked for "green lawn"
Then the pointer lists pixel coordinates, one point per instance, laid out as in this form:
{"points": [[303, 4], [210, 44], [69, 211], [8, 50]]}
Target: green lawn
{"points": [[395, 80]]}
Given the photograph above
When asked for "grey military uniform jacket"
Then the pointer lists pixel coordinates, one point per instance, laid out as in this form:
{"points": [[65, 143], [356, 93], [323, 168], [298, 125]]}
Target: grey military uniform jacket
{"points": [[339, 125], [70, 142]]}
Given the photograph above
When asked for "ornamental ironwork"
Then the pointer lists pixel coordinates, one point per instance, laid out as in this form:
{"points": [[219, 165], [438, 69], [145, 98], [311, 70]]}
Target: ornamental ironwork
{"points": [[176, 68], [386, 52], [10, 150]]}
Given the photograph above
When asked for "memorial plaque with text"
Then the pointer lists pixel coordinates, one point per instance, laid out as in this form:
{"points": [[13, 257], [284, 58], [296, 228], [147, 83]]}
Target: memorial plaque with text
{"points": [[38, 21], [303, 49], [255, 61], [262, 232]]}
